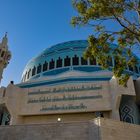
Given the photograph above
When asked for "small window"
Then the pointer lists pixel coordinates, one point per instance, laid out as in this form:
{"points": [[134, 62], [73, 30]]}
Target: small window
{"points": [[45, 66], [33, 71], [25, 75], [92, 61], [136, 69], [115, 62], [2, 54], [28, 73], [131, 68], [83, 61], [75, 60], [4, 92], [51, 64], [59, 63], [67, 61], [109, 61], [39, 69]]}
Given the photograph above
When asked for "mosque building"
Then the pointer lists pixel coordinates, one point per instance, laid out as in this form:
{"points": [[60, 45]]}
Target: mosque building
{"points": [[59, 85]]}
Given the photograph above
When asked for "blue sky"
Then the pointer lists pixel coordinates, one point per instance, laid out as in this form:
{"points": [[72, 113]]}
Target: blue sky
{"points": [[32, 26]]}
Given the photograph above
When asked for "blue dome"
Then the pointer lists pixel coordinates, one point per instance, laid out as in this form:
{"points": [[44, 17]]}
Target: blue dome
{"points": [[64, 57]]}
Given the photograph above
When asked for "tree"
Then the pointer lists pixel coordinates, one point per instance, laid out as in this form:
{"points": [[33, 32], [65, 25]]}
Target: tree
{"points": [[124, 13]]}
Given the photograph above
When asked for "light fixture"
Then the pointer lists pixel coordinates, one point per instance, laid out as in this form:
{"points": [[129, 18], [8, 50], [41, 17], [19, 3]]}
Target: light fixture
{"points": [[59, 119]]}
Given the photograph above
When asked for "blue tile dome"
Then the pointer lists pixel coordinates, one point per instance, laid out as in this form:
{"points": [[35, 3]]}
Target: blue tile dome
{"points": [[63, 57]]}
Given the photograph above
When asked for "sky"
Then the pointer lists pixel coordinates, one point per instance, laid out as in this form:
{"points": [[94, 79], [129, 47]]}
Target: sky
{"points": [[32, 26]]}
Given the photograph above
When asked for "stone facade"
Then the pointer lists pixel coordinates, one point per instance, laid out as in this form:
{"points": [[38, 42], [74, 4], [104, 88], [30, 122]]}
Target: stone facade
{"points": [[79, 102], [97, 129], [61, 95]]}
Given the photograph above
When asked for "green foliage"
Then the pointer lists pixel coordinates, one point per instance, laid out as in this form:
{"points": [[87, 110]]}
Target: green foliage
{"points": [[94, 13]]}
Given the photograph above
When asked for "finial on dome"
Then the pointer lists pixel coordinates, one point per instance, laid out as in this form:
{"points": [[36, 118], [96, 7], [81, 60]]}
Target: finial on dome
{"points": [[5, 40]]}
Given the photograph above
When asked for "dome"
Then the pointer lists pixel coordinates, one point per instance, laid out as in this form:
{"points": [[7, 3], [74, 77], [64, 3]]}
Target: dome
{"points": [[64, 57]]}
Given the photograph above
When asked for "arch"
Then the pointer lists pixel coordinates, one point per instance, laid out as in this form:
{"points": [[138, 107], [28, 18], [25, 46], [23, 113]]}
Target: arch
{"points": [[34, 71], [4, 115], [67, 61], [25, 75], [2, 54], [92, 61], [75, 60], [109, 61], [136, 69], [28, 73], [83, 61], [39, 68], [128, 109], [59, 63], [45, 66], [51, 64], [131, 68]]}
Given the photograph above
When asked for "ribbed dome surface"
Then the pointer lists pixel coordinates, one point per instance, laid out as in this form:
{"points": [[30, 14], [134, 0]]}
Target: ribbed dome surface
{"points": [[61, 58]]}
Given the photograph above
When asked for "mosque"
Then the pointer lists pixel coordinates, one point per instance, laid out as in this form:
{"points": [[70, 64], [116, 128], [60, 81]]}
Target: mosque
{"points": [[60, 86]]}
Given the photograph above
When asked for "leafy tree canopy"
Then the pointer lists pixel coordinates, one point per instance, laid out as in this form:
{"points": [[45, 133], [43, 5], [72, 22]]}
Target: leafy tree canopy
{"points": [[126, 14]]}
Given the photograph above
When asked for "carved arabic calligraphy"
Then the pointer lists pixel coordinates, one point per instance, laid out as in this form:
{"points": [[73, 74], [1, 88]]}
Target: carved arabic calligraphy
{"points": [[69, 89], [63, 107], [63, 98]]}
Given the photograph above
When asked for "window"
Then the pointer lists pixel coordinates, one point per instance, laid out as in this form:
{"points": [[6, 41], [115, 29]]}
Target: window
{"points": [[59, 63], [45, 66], [115, 61], [75, 60], [4, 92], [28, 73], [51, 64], [39, 69], [2, 54], [67, 61], [83, 61], [92, 61], [33, 71], [136, 69], [25, 75], [131, 68], [109, 61]]}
